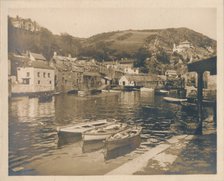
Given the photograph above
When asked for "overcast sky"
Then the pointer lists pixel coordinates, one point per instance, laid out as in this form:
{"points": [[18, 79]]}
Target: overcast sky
{"points": [[87, 21]]}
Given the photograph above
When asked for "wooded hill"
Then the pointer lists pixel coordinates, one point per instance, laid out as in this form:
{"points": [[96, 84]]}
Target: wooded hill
{"points": [[152, 49]]}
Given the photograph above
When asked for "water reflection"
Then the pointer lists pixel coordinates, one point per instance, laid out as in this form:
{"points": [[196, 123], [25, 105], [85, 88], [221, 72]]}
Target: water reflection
{"points": [[33, 123]]}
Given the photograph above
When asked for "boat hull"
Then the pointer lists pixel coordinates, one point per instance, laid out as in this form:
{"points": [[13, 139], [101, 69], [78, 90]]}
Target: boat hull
{"points": [[74, 133], [118, 147], [174, 100], [161, 92], [104, 132]]}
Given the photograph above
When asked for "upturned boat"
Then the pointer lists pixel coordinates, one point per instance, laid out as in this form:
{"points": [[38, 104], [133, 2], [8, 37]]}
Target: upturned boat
{"points": [[122, 142], [103, 132]]}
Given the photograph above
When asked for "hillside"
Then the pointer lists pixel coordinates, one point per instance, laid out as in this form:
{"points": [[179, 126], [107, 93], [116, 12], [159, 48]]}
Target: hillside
{"points": [[152, 49]]}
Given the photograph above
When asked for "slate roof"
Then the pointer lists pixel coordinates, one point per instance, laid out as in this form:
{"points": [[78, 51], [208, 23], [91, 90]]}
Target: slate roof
{"points": [[38, 64], [38, 56]]}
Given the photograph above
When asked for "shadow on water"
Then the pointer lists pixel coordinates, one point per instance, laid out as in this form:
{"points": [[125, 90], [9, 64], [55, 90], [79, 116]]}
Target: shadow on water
{"points": [[123, 149]]}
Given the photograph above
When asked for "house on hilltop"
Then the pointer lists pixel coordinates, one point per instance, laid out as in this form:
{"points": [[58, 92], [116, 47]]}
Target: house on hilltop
{"points": [[182, 46], [26, 24]]}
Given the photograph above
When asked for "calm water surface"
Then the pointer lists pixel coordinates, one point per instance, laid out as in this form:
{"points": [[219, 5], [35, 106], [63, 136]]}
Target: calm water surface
{"points": [[32, 124]]}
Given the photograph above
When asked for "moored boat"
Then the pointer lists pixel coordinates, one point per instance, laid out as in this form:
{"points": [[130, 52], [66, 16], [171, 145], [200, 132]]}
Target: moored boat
{"points": [[161, 92], [174, 100], [122, 142], [103, 132], [73, 133]]}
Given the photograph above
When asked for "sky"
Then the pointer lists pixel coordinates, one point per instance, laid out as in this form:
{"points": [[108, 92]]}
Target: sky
{"points": [[86, 21]]}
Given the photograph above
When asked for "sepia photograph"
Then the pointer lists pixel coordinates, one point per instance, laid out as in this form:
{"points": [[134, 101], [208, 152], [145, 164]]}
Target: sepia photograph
{"points": [[112, 88]]}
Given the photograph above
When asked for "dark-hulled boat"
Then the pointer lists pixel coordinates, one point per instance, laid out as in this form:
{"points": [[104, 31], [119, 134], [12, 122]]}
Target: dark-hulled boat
{"points": [[122, 142]]}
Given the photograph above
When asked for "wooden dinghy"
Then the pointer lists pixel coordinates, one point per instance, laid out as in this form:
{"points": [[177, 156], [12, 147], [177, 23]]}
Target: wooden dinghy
{"points": [[103, 132], [122, 142], [73, 133]]}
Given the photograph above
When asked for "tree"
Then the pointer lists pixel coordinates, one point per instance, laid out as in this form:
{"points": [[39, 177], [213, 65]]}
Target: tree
{"points": [[141, 55], [163, 57]]}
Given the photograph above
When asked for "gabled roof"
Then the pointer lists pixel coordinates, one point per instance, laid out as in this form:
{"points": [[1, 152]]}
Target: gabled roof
{"points": [[37, 56], [38, 64]]}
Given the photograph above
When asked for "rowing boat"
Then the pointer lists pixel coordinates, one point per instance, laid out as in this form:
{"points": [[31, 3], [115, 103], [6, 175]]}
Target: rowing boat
{"points": [[122, 142], [73, 133], [103, 132]]}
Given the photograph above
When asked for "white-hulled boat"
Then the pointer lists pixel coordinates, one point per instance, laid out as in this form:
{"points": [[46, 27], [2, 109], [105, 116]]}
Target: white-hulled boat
{"points": [[128, 139], [174, 100], [161, 92], [103, 132], [74, 132]]}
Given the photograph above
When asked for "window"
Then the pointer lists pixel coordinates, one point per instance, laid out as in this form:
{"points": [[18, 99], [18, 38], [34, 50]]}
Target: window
{"points": [[27, 74], [50, 82], [38, 74], [38, 82], [26, 81], [44, 74], [49, 75]]}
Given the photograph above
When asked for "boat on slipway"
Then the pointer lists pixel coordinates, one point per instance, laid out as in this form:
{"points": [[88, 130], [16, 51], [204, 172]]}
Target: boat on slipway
{"points": [[122, 142], [73, 133], [174, 100], [101, 133]]}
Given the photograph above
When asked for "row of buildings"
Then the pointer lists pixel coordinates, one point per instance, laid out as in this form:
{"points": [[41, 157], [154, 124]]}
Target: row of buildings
{"points": [[31, 73]]}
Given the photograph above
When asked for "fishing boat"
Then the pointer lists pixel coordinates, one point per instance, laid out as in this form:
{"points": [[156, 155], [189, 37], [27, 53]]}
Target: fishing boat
{"points": [[174, 100], [73, 133], [103, 132], [122, 142]]}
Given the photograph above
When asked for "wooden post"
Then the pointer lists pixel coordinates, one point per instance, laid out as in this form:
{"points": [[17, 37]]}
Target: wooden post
{"points": [[200, 98]]}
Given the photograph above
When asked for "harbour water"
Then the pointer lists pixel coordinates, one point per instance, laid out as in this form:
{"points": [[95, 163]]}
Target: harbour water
{"points": [[33, 123]]}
